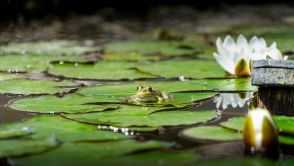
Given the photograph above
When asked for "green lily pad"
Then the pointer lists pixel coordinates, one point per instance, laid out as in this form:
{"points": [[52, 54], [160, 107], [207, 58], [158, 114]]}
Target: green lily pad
{"points": [[27, 87], [156, 47], [15, 132], [32, 62], [288, 140], [90, 154], [55, 47], [20, 147], [130, 56], [140, 116], [236, 84], [212, 133], [6, 76], [64, 129], [234, 123], [103, 70], [188, 68], [129, 89], [72, 103]]}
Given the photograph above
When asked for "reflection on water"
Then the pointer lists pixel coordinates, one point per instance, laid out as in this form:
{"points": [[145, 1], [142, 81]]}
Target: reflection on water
{"points": [[232, 99]]}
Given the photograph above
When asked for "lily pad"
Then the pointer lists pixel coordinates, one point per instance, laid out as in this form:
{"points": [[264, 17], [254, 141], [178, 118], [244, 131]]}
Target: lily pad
{"points": [[215, 133], [6, 76], [20, 147], [32, 62], [54, 47], [64, 129], [90, 154], [188, 68], [136, 116], [156, 47], [15, 132], [73, 103], [27, 87], [236, 84], [130, 56], [129, 89], [103, 70]]}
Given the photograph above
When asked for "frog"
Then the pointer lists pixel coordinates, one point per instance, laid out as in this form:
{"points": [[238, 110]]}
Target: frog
{"points": [[149, 94]]}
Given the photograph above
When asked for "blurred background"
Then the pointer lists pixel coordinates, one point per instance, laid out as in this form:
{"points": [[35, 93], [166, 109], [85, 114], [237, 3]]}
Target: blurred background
{"points": [[105, 21]]}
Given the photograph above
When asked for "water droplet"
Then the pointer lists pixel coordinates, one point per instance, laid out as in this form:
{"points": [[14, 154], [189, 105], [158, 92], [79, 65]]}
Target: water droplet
{"points": [[61, 62], [182, 78]]}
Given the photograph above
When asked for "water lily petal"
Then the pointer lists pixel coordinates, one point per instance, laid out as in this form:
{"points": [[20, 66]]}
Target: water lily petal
{"points": [[226, 63]]}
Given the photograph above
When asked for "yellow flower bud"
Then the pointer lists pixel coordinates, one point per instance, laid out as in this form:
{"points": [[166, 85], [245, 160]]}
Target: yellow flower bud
{"points": [[259, 131]]}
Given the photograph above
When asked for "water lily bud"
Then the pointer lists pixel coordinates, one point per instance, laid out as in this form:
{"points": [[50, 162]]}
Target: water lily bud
{"points": [[259, 131]]}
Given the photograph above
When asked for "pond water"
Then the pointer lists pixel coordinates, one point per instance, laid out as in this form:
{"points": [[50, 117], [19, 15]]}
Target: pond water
{"points": [[72, 103]]}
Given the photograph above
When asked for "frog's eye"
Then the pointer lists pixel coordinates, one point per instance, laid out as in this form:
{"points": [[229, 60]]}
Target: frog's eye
{"points": [[139, 88], [150, 89]]}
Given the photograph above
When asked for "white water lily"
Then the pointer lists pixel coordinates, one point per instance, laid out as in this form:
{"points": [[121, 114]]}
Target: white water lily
{"points": [[232, 99], [236, 57], [259, 131]]}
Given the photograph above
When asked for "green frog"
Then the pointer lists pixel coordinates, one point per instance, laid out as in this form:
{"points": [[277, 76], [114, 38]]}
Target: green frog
{"points": [[148, 94]]}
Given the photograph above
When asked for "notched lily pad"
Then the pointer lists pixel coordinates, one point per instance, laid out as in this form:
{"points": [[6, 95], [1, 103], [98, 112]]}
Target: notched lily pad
{"points": [[129, 116], [64, 129], [103, 70], [27, 87], [214, 133], [187, 68], [32, 62], [54, 47], [72, 103], [76, 154]]}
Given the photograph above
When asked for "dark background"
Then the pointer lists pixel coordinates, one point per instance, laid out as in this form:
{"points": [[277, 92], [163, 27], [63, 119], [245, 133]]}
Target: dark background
{"points": [[13, 10]]}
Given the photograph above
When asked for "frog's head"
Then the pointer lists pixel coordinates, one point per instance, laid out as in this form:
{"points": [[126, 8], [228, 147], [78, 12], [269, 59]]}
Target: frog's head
{"points": [[146, 94]]}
